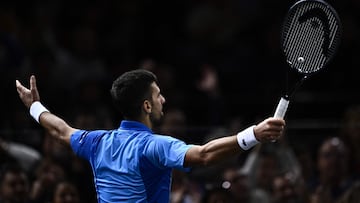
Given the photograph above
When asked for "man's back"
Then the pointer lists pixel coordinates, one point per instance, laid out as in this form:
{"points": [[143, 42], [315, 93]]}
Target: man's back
{"points": [[130, 163]]}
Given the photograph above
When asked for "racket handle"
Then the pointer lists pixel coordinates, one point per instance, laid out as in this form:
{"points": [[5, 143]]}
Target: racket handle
{"points": [[281, 108]]}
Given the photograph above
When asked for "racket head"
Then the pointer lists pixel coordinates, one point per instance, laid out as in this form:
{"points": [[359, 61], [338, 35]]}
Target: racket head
{"points": [[311, 35]]}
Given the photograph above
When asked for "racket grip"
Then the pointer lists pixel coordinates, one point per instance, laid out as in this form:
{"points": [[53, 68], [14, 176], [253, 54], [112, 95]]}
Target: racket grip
{"points": [[281, 108]]}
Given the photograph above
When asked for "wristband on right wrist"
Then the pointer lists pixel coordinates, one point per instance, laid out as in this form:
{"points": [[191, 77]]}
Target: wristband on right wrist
{"points": [[246, 138], [36, 109]]}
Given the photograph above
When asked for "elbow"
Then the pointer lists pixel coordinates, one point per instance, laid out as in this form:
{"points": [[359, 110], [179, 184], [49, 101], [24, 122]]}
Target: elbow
{"points": [[56, 133], [206, 163], [206, 159], [61, 131], [199, 156]]}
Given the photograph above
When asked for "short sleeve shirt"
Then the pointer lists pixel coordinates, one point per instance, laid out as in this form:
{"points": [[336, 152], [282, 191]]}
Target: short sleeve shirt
{"points": [[131, 163]]}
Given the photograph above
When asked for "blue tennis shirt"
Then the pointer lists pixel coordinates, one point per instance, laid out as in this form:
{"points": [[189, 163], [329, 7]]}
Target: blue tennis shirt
{"points": [[131, 163]]}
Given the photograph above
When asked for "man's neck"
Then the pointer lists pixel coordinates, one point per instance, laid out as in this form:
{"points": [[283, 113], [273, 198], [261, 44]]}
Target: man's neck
{"points": [[146, 121]]}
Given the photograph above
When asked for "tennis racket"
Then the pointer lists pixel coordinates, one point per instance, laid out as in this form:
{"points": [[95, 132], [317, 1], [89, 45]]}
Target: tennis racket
{"points": [[311, 34]]}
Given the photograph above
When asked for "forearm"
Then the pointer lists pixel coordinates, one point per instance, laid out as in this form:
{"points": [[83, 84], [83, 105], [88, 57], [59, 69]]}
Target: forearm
{"points": [[221, 148], [56, 127]]}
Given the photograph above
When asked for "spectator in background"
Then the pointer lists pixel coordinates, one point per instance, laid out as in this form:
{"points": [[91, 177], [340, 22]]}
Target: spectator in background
{"points": [[185, 189], [238, 184], [307, 164], [75, 168], [333, 171], [269, 166], [66, 192], [47, 176], [352, 195], [266, 161], [286, 189], [14, 184], [350, 133], [54, 151], [218, 195]]}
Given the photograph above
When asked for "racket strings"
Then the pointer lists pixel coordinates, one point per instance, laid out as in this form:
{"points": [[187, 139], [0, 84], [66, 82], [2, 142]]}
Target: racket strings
{"points": [[306, 36], [298, 41], [310, 44]]}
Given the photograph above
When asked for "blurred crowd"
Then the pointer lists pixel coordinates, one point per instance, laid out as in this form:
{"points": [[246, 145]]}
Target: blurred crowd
{"points": [[220, 69]]}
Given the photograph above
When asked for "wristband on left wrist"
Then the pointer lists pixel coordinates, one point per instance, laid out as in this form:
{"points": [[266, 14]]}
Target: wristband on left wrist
{"points": [[36, 109]]}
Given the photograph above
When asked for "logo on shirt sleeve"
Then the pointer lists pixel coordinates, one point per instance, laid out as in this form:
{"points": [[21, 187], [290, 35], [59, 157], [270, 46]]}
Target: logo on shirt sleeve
{"points": [[82, 137]]}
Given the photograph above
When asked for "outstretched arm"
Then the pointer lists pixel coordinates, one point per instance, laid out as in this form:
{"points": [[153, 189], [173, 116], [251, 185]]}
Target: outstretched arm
{"points": [[222, 148], [56, 126]]}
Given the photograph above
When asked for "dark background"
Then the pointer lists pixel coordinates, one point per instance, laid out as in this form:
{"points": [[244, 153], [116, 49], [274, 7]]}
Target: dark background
{"points": [[77, 48]]}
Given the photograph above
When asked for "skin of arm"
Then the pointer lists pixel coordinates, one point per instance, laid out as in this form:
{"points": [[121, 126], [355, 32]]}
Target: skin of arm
{"points": [[56, 126], [212, 152], [222, 148]]}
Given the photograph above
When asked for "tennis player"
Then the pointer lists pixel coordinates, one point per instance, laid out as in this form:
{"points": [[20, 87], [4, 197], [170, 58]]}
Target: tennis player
{"points": [[132, 163]]}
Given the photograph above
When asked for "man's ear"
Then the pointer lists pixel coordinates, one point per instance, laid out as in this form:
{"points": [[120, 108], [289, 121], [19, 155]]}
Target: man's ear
{"points": [[147, 106]]}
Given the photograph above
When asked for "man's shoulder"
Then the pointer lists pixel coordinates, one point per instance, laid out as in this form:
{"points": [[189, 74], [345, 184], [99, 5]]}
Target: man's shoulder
{"points": [[82, 135], [161, 137], [159, 140]]}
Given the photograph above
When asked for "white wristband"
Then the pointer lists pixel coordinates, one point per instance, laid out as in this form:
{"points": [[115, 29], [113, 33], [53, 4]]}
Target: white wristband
{"points": [[246, 138], [36, 109]]}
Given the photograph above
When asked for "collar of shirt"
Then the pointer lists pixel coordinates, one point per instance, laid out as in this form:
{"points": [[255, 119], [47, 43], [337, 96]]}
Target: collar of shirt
{"points": [[134, 125]]}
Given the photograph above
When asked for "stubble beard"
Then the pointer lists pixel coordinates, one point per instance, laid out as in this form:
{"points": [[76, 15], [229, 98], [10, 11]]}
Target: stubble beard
{"points": [[157, 120]]}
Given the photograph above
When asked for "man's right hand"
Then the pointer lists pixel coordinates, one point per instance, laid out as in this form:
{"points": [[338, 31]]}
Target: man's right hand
{"points": [[269, 130], [28, 96]]}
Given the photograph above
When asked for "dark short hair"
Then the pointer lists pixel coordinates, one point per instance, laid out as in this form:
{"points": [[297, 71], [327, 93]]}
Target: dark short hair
{"points": [[130, 90]]}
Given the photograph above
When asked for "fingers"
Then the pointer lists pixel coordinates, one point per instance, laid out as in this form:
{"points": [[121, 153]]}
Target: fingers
{"points": [[276, 121], [274, 124], [270, 129], [20, 88], [33, 89], [28, 96], [276, 128], [32, 82]]}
